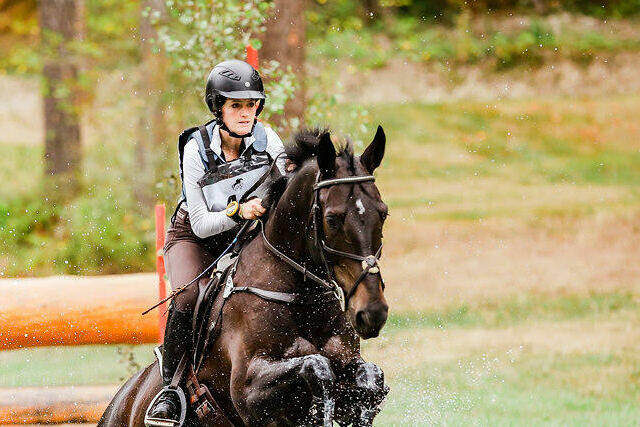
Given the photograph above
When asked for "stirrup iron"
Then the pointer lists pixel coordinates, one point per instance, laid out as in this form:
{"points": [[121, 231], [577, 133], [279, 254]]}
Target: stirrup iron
{"points": [[161, 422]]}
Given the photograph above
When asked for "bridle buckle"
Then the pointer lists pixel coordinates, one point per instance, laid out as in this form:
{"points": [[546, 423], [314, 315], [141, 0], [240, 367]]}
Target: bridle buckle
{"points": [[370, 264]]}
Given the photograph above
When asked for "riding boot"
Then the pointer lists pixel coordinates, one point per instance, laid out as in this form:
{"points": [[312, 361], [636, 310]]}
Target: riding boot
{"points": [[177, 341]]}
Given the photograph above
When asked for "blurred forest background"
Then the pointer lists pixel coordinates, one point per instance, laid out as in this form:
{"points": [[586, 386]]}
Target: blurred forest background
{"points": [[512, 173], [96, 92]]}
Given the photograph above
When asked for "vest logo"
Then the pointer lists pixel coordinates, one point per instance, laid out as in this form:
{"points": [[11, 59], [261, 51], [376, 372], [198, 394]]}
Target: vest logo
{"points": [[237, 185]]}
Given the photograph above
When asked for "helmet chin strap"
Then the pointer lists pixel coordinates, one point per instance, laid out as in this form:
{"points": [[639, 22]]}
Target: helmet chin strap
{"points": [[224, 127]]}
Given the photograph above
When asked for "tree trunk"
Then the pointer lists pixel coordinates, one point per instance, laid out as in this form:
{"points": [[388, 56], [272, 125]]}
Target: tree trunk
{"points": [[284, 41], [151, 145], [63, 153]]}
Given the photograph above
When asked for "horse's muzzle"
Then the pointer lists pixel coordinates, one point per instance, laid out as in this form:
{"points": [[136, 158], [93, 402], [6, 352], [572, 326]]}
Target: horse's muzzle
{"points": [[370, 320]]}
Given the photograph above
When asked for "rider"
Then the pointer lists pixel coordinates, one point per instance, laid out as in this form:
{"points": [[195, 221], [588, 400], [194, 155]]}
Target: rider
{"points": [[208, 214]]}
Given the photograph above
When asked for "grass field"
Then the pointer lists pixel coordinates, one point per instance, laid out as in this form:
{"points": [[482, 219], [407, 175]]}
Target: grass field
{"points": [[511, 258]]}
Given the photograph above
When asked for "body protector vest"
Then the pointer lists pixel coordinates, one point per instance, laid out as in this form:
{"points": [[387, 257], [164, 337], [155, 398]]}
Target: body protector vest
{"points": [[238, 179]]}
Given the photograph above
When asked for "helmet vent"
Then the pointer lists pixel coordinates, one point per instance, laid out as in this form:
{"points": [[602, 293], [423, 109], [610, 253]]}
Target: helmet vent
{"points": [[230, 74]]}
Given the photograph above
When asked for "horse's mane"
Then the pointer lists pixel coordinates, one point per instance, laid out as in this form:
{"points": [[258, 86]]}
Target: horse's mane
{"points": [[305, 142], [302, 147]]}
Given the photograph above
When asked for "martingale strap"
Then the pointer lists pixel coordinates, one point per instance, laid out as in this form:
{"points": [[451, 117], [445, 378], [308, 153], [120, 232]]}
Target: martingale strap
{"points": [[284, 297]]}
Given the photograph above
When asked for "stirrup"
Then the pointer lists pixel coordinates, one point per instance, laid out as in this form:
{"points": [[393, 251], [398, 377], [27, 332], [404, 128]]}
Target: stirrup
{"points": [[162, 422]]}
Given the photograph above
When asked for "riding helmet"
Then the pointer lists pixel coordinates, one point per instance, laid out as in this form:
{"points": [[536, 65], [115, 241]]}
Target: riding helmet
{"points": [[233, 79]]}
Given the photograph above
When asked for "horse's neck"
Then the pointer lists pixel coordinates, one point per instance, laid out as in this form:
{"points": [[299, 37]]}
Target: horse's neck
{"points": [[287, 226], [285, 229]]}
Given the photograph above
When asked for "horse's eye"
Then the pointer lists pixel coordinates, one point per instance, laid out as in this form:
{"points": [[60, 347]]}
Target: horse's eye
{"points": [[333, 221]]}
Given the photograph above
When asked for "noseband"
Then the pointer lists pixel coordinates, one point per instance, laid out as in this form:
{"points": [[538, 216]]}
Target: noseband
{"points": [[369, 262]]}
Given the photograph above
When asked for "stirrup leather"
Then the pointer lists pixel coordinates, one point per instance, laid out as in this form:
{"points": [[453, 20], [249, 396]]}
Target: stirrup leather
{"points": [[161, 422]]}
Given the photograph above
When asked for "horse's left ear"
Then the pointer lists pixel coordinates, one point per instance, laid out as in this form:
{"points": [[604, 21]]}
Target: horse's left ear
{"points": [[326, 156], [373, 154]]}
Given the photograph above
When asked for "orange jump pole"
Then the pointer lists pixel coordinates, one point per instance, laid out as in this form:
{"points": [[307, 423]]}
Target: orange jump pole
{"points": [[73, 310], [160, 270]]}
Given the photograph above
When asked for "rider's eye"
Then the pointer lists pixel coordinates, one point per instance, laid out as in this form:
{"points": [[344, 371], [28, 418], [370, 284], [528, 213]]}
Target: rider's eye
{"points": [[251, 104]]}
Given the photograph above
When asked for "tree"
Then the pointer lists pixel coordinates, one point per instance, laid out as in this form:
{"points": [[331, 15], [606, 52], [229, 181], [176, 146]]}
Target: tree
{"points": [[151, 148], [60, 26], [284, 40]]}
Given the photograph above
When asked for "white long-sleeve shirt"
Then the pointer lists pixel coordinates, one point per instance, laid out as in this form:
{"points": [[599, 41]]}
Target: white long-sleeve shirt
{"points": [[203, 222]]}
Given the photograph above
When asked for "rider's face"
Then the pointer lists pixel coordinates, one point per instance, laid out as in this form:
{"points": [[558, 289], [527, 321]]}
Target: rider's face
{"points": [[239, 114]]}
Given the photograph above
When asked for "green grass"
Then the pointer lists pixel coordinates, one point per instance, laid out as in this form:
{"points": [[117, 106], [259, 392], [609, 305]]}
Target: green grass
{"points": [[23, 179], [470, 40], [535, 389], [514, 311], [507, 142], [80, 365]]}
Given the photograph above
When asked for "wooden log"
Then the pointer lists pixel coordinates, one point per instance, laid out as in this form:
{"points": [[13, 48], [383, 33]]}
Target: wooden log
{"points": [[53, 405], [74, 310]]}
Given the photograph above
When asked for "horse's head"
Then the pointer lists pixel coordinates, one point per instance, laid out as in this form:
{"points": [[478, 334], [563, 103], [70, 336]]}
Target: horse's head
{"points": [[349, 219]]}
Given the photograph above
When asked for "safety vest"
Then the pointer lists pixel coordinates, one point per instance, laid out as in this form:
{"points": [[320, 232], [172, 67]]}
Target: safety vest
{"points": [[223, 182]]}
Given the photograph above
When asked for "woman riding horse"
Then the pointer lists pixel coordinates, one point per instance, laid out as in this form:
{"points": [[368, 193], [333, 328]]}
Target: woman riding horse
{"points": [[208, 214], [284, 326]]}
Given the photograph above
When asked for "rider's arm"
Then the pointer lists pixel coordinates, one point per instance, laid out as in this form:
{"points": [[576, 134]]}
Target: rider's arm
{"points": [[203, 222], [275, 147]]}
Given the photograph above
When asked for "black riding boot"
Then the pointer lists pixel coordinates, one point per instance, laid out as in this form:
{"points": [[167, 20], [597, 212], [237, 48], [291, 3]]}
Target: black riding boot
{"points": [[177, 338]]}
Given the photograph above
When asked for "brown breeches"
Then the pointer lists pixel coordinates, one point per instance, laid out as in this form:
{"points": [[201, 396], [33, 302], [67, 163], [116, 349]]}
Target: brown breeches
{"points": [[186, 256]]}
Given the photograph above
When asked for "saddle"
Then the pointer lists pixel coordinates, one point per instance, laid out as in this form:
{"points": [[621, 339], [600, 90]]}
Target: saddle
{"points": [[199, 397]]}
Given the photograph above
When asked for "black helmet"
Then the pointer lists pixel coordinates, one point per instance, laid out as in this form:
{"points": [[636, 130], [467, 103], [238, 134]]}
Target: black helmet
{"points": [[233, 79]]}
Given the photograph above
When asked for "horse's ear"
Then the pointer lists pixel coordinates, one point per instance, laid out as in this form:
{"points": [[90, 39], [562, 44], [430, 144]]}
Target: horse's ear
{"points": [[326, 155], [373, 154]]}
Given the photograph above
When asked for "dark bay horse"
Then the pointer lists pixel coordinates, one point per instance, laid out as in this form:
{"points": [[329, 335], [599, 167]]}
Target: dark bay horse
{"points": [[297, 364]]}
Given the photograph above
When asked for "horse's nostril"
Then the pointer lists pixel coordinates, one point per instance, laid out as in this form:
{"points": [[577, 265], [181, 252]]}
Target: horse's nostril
{"points": [[379, 317], [361, 318]]}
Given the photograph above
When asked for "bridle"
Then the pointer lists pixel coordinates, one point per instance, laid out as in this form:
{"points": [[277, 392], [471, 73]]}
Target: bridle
{"points": [[369, 262]]}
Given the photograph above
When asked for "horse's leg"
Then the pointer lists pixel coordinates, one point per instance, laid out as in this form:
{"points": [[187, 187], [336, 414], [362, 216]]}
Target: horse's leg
{"points": [[363, 390], [277, 389]]}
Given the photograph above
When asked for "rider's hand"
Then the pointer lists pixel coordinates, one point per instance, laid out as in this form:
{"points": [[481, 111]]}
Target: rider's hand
{"points": [[252, 209]]}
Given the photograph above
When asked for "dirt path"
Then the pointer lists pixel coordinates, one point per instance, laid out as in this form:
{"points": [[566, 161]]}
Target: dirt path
{"points": [[437, 266]]}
